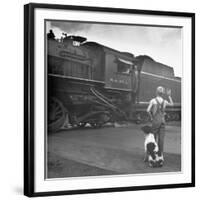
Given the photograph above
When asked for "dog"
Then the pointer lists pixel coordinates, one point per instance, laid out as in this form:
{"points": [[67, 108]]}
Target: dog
{"points": [[151, 149]]}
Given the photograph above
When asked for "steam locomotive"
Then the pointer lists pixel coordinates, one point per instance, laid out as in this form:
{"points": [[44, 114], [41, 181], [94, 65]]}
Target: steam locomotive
{"points": [[89, 83]]}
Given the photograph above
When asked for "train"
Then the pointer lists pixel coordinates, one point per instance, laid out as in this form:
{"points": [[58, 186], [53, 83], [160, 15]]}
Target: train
{"points": [[90, 83]]}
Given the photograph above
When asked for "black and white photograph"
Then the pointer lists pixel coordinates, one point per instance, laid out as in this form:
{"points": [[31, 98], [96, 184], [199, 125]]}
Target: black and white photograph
{"points": [[109, 100], [114, 99], [99, 100]]}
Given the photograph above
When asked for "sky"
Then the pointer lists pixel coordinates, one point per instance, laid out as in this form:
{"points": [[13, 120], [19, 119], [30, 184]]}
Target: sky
{"points": [[163, 44]]}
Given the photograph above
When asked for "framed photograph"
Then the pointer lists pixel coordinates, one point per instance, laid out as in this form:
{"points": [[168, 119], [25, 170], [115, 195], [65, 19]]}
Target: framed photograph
{"points": [[108, 99]]}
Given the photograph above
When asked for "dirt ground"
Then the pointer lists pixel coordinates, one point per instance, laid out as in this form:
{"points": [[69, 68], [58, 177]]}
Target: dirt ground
{"points": [[108, 151]]}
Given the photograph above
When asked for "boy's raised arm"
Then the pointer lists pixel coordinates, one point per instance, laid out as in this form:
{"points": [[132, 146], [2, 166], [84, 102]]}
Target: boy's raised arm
{"points": [[170, 102]]}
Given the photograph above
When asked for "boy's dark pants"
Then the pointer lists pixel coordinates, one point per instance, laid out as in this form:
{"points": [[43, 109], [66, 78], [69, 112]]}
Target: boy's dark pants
{"points": [[159, 132]]}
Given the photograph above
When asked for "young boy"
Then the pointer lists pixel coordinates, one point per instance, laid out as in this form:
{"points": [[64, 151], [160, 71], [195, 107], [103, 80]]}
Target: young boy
{"points": [[156, 111]]}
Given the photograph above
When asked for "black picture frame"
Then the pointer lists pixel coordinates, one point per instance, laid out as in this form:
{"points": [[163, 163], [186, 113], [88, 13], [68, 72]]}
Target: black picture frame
{"points": [[29, 97]]}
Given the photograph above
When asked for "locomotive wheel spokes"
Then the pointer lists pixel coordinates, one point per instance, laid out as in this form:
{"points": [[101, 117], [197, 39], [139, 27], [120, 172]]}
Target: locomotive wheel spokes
{"points": [[56, 114]]}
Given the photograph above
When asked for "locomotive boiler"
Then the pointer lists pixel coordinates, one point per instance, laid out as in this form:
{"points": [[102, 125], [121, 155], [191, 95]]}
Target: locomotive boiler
{"points": [[89, 83]]}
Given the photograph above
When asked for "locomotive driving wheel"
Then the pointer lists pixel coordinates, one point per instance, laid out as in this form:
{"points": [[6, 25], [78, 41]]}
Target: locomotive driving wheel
{"points": [[56, 114]]}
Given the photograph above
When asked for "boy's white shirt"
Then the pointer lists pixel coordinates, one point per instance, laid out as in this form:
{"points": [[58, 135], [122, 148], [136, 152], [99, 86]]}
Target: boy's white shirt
{"points": [[160, 100]]}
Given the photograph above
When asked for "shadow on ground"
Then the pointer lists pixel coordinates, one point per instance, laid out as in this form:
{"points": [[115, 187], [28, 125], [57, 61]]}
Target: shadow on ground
{"points": [[59, 167]]}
